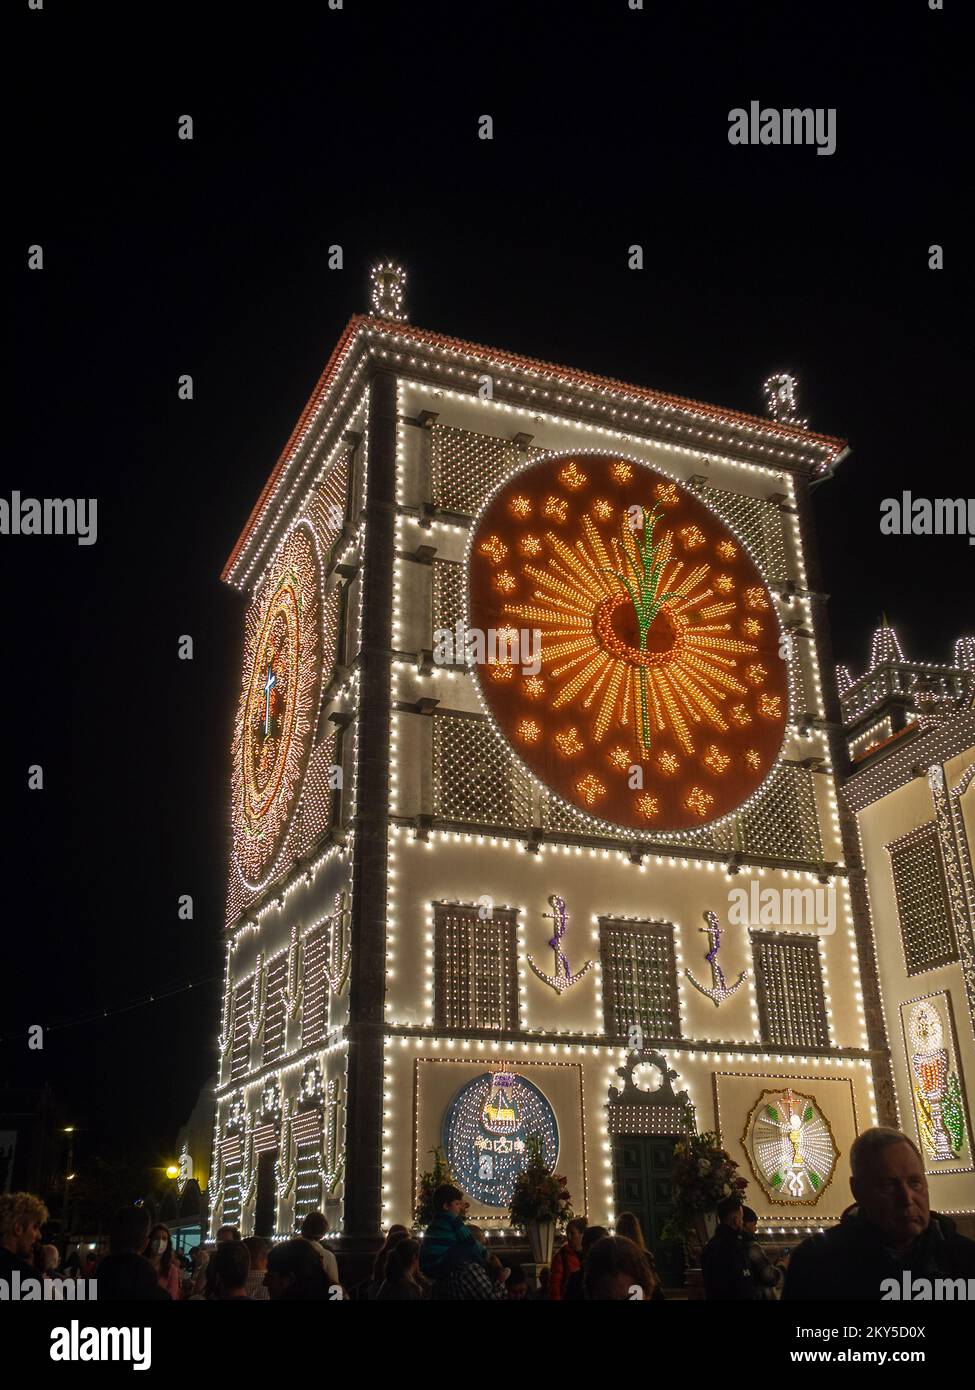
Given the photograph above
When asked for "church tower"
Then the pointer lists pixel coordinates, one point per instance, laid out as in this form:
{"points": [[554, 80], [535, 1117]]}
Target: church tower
{"points": [[535, 822]]}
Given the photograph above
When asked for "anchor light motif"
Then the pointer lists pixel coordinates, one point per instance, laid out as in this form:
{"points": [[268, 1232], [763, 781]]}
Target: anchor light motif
{"points": [[719, 991], [339, 945], [563, 979]]}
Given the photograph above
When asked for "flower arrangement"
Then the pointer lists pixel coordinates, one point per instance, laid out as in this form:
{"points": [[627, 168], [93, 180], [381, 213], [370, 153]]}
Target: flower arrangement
{"points": [[703, 1174], [440, 1173], [539, 1194]]}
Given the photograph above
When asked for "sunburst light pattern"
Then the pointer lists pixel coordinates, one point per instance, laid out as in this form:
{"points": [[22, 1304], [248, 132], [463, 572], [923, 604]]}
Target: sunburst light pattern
{"points": [[661, 696]]}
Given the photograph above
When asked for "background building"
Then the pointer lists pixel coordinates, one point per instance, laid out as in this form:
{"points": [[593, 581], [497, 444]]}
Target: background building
{"points": [[911, 735], [599, 898]]}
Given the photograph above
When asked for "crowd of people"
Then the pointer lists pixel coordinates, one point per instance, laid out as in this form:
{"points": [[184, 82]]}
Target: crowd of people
{"points": [[889, 1229]]}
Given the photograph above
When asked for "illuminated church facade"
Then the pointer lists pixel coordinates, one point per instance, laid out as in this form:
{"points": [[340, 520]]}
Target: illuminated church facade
{"points": [[536, 824]]}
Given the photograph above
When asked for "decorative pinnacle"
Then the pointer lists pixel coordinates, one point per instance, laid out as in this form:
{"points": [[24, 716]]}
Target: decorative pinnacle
{"points": [[782, 399], [387, 282]]}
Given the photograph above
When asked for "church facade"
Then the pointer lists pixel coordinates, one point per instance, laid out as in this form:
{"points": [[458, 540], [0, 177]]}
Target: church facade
{"points": [[536, 826]]}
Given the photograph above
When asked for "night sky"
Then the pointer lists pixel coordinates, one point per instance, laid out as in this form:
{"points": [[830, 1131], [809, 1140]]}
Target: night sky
{"points": [[209, 257]]}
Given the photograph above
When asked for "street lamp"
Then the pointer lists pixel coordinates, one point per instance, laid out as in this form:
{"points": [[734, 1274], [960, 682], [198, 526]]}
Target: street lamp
{"points": [[172, 1170]]}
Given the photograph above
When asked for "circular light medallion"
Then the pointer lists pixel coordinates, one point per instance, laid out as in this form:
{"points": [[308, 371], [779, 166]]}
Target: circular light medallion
{"points": [[275, 715], [485, 1132], [625, 643]]}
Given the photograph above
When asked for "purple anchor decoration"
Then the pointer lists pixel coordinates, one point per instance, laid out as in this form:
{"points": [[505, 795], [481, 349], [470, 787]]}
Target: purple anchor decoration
{"points": [[719, 991], [563, 979]]}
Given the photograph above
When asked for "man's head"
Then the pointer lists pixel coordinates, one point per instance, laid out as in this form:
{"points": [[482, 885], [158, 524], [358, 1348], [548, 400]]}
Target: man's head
{"points": [[516, 1284], [129, 1231], [449, 1198], [617, 1270], [21, 1217], [574, 1232], [227, 1233], [231, 1266], [729, 1213], [314, 1226], [749, 1220], [257, 1248], [590, 1236], [890, 1186], [289, 1266]]}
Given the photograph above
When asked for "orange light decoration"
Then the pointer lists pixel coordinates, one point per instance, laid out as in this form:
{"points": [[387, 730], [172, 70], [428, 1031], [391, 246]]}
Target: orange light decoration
{"points": [[715, 759], [573, 477], [756, 673], [506, 582], [529, 731], [569, 743], [645, 646], [502, 671], [699, 801], [494, 548], [590, 789]]}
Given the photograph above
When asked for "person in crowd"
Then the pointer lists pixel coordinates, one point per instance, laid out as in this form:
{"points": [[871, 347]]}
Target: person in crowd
{"points": [[617, 1270], [21, 1217], [199, 1262], [451, 1258], [402, 1273], [313, 1229], [231, 1266], [888, 1233], [567, 1260], [257, 1248], [125, 1274], [724, 1260], [768, 1276], [294, 1272], [628, 1226], [227, 1233], [71, 1266], [163, 1260], [516, 1285], [50, 1258], [575, 1289], [544, 1284], [393, 1238]]}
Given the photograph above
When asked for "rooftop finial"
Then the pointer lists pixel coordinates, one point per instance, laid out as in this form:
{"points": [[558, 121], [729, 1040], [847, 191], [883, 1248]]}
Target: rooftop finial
{"points": [[387, 281], [782, 399]]}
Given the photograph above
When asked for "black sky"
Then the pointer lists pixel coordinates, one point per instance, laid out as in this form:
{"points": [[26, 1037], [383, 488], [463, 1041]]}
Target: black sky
{"points": [[358, 128]]}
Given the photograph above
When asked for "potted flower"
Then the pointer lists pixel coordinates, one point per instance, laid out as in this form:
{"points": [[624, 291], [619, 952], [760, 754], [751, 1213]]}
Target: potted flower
{"points": [[440, 1173], [540, 1203], [703, 1174]]}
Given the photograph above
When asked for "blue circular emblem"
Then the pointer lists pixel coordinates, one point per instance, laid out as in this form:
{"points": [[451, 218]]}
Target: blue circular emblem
{"points": [[485, 1132]]}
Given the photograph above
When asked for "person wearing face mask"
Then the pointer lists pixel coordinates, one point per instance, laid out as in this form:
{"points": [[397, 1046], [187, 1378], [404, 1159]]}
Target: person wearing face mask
{"points": [[160, 1254]]}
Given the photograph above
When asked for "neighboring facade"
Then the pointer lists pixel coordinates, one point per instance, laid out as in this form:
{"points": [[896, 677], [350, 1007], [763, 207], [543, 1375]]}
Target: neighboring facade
{"points": [[475, 901], [911, 727]]}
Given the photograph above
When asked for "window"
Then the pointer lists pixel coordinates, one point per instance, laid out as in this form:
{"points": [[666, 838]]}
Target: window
{"points": [[277, 975], [476, 977], [314, 1017], [923, 908], [789, 985], [639, 979], [240, 1047]]}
